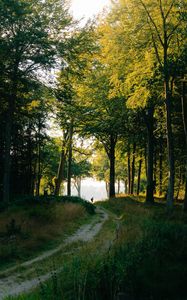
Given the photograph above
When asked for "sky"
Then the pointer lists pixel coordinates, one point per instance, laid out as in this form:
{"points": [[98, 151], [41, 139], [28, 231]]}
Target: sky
{"points": [[87, 8]]}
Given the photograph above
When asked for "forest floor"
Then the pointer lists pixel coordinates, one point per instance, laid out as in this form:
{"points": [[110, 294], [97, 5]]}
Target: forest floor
{"points": [[127, 249], [29, 274]]}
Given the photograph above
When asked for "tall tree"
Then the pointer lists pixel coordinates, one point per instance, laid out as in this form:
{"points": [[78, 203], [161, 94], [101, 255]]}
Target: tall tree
{"points": [[28, 41], [165, 22]]}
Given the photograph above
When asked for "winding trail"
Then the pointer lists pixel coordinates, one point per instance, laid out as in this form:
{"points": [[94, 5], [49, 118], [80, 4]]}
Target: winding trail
{"points": [[14, 284]]}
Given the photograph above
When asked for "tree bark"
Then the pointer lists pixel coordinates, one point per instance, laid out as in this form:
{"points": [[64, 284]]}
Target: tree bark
{"points": [[112, 167], [179, 185], [7, 157], [150, 155], [171, 163], [184, 115], [8, 137], [8, 132], [78, 181], [139, 176], [39, 160], [133, 168], [107, 188], [160, 168], [69, 173], [145, 157], [119, 185], [129, 170], [155, 171], [126, 186], [60, 174]]}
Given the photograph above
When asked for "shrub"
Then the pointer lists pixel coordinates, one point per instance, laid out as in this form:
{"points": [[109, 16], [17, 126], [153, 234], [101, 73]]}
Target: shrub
{"points": [[90, 208], [12, 228]]}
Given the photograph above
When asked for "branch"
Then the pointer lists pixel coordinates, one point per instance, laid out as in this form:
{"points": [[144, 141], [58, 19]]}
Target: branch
{"points": [[172, 32], [162, 12], [169, 10], [82, 152], [153, 23], [155, 45]]}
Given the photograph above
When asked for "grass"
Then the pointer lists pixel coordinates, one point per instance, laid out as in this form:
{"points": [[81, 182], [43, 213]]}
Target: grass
{"points": [[144, 258], [151, 250], [29, 227], [83, 262]]}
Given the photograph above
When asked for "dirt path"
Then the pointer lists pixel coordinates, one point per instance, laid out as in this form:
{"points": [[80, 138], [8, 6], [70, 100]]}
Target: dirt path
{"points": [[14, 284]]}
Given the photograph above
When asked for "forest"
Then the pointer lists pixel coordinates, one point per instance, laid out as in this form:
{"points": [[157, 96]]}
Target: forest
{"points": [[105, 100]]}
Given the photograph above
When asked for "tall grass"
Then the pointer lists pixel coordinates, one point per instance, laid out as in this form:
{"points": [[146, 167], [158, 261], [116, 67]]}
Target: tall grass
{"points": [[148, 260], [32, 225]]}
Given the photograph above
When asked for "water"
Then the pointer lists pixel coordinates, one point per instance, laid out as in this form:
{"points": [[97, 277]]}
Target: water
{"points": [[93, 188]]}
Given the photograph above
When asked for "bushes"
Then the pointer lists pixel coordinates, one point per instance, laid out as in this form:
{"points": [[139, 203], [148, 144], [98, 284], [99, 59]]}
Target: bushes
{"points": [[90, 208], [21, 201]]}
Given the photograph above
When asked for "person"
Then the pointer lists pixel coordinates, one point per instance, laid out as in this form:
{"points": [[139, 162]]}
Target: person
{"points": [[92, 199]]}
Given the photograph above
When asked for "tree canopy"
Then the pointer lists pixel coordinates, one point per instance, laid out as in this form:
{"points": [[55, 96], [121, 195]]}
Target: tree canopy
{"points": [[117, 82]]}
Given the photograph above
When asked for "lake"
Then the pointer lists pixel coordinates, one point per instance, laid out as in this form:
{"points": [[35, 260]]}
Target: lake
{"points": [[91, 187]]}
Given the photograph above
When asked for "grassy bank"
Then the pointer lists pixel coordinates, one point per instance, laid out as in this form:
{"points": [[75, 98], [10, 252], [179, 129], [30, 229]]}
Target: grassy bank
{"points": [[147, 258], [32, 225], [151, 250]]}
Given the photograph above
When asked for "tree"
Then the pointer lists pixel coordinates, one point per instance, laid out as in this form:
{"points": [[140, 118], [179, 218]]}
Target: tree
{"points": [[161, 31], [101, 115], [79, 47], [80, 169], [165, 22], [28, 35], [101, 167]]}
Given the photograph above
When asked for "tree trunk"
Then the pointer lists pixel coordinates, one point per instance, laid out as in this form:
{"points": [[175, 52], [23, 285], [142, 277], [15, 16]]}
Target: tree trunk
{"points": [[107, 188], [139, 176], [150, 155], [30, 170], [160, 168], [77, 184], [60, 174], [145, 156], [69, 160], [8, 134], [112, 167], [126, 186], [171, 163], [118, 186], [179, 185], [155, 171], [7, 157], [39, 160], [185, 195], [129, 170], [34, 176], [79, 188], [133, 169], [184, 115]]}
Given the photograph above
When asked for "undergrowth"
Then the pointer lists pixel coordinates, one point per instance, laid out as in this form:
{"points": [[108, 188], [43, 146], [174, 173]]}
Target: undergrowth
{"points": [[32, 224], [147, 260]]}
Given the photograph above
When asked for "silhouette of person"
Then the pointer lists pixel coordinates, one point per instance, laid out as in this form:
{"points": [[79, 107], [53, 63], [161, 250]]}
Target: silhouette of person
{"points": [[92, 199]]}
